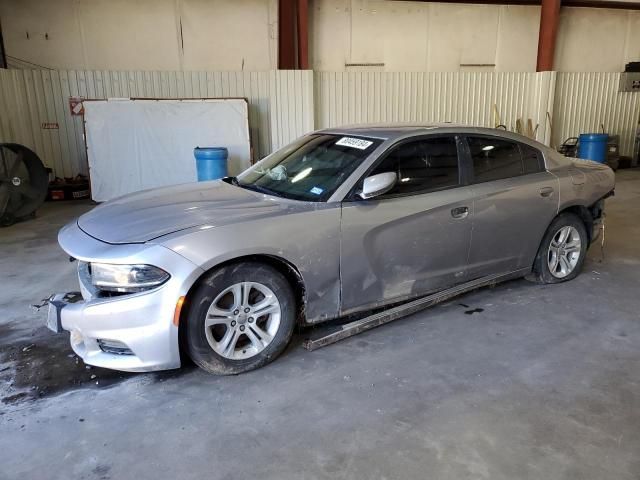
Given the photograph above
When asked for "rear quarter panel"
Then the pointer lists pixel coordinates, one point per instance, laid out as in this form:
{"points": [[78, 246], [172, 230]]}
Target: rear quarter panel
{"points": [[583, 183]]}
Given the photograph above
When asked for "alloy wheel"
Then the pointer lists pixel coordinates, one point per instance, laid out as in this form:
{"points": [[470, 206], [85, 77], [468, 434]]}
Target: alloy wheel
{"points": [[564, 251], [242, 320]]}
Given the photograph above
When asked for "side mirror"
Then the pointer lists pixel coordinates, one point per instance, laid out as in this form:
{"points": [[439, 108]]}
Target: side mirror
{"points": [[378, 184]]}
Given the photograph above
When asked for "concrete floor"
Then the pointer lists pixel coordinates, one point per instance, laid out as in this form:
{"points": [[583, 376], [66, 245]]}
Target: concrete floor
{"points": [[542, 384]]}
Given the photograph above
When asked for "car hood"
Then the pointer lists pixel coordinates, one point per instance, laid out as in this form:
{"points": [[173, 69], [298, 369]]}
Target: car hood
{"points": [[146, 215]]}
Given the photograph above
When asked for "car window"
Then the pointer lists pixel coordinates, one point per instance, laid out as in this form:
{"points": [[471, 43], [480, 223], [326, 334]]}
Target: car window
{"points": [[494, 159], [531, 159], [422, 165], [309, 169]]}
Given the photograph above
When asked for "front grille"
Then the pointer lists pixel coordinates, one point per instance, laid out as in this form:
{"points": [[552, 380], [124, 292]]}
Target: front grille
{"points": [[113, 346]]}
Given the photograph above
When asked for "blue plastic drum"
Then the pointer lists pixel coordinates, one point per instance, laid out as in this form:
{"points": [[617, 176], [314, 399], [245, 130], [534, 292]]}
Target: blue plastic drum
{"points": [[211, 162], [593, 146]]}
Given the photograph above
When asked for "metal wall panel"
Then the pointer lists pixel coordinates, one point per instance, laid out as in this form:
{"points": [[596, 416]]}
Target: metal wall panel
{"points": [[584, 102], [31, 98], [286, 104], [460, 97], [292, 113]]}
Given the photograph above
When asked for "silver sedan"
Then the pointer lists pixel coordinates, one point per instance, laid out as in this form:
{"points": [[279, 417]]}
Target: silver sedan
{"points": [[340, 221]]}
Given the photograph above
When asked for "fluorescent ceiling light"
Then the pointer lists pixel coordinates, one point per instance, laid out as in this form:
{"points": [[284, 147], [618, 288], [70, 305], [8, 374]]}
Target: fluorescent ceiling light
{"points": [[301, 175]]}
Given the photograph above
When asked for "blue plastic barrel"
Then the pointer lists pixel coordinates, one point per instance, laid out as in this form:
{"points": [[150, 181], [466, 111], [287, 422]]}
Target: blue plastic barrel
{"points": [[211, 162], [593, 146]]}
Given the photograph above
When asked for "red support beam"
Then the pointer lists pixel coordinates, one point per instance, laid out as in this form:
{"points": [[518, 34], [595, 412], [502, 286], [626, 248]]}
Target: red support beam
{"points": [[287, 58], [303, 34], [549, 19], [3, 53]]}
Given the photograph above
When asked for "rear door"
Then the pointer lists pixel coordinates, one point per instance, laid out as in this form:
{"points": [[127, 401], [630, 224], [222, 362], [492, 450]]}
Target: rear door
{"points": [[514, 201], [414, 239]]}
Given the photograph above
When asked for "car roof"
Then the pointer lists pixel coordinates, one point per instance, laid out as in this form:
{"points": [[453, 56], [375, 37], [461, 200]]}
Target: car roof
{"points": [[384, 131], [391, 131]]}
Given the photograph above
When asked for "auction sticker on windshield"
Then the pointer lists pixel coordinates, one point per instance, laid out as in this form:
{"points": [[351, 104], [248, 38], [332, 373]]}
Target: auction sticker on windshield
{"points": [[358, 143]]}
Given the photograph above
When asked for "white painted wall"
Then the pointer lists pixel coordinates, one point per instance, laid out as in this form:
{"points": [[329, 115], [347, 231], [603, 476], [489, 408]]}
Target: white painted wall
{"points": [[426, 36], [597, 40], [141, 34], [242, 34]]}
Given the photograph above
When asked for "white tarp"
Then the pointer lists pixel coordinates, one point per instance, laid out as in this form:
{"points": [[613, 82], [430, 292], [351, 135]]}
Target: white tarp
{"points": [[133, 145]]}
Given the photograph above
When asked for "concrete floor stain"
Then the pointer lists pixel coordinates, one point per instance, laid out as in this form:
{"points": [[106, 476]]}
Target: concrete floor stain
{"points": [[474, 310], [43, 364]]}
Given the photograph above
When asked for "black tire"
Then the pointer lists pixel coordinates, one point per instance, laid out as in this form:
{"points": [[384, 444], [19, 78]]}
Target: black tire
{"points": [[212, 285], [541, 271], [7, 220]]}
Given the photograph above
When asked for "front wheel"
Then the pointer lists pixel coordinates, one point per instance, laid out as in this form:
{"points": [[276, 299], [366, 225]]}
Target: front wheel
{"points": [[562, 251], [241, 318]]}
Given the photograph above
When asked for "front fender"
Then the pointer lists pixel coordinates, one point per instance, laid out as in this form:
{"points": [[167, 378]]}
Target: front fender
{"points": [[309, 241]]}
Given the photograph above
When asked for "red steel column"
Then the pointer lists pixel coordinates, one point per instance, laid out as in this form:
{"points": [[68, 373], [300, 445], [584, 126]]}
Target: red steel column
{"points": [[303, 34], [3, 54], [287, 35], [549, 18]]}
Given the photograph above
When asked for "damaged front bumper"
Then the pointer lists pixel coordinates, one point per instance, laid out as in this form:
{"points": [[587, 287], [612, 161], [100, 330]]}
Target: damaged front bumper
{"points": [[131, 332], [56, 303]]}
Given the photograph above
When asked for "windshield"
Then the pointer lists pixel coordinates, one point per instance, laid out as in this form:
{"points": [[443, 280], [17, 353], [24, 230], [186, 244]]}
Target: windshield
{"points": [[310, 169]]}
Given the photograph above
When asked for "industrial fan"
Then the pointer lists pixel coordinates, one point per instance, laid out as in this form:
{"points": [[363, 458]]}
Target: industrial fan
{"points": [[23, 183]]}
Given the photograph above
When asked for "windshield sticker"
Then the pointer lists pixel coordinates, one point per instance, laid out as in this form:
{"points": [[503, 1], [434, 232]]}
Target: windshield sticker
{"points": [[358, 143], [316, 190]]}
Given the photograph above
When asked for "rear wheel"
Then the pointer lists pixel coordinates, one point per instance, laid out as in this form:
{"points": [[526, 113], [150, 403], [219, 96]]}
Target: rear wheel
{"points": [[241, 318], [562, 251]]}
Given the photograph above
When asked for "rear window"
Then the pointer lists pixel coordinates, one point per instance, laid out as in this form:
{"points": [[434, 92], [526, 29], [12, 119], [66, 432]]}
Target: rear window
{"points": [[496, 159], [531, 159]]}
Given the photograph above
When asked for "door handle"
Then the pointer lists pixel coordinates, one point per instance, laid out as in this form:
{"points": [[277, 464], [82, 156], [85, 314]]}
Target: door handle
{"points": [[546, 191], [460, 212]]}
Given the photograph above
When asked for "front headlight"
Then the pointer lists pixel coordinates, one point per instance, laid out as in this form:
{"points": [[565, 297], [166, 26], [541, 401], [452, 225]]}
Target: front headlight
{"points": [[126, 278]]}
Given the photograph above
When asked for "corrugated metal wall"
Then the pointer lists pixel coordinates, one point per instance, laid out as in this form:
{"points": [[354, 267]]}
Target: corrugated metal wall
{"points": [[286, 104], [292, 112], [31, 98], [459, 97], [586, 101]]}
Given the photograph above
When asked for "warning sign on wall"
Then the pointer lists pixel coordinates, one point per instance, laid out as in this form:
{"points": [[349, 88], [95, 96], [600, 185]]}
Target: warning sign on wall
{"points": [[76, 106]]}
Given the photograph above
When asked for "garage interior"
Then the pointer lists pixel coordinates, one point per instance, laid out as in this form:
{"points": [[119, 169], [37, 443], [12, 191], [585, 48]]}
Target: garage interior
{"points": [[514, 381]]}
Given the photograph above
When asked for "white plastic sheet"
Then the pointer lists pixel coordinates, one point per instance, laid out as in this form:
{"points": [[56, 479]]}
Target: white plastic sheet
{"points": [[134, 145]]}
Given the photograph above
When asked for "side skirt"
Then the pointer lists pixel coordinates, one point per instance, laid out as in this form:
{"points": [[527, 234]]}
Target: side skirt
{"points": [[362, 325]]}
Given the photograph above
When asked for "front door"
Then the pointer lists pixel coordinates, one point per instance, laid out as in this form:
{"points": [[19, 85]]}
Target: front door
{"points": [[515, 200], [414, 239]]}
